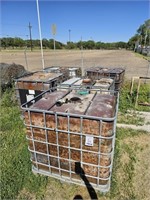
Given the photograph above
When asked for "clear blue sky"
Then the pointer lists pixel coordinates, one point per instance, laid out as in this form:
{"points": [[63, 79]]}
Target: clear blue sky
{"points": [[106, 21]]}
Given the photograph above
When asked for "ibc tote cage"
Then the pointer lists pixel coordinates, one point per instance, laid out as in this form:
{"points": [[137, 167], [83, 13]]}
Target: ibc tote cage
{"points": [[59, 158], [68, 72], [27, 88], [76, 82], [115, 73]]}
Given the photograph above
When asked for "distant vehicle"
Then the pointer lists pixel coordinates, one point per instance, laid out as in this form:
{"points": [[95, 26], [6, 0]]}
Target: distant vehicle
{"points": [[148, 51], [144, 50]]}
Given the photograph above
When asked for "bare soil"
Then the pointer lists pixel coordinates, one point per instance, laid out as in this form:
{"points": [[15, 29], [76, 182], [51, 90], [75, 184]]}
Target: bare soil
{"points": [[134, 64]]}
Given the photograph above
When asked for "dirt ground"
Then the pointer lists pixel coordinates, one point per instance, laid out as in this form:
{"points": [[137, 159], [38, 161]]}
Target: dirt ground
{"points": [[134, 64]]}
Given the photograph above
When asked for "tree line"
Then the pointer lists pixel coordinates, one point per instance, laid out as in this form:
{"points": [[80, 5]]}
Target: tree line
{"points": [[142, 37], [9, 42]]}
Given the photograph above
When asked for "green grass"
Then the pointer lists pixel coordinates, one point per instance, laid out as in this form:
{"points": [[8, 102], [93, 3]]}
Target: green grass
{"points": [[130, 118], [127, 101], [16, 171], [142, 56]]}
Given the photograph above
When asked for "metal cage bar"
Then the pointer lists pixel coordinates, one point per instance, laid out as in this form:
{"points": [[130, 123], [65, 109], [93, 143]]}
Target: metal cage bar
{"points": [[61, 165]]}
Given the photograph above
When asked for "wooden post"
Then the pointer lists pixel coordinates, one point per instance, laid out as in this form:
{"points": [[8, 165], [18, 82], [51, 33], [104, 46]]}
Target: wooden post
{"points": [[137, 95]]}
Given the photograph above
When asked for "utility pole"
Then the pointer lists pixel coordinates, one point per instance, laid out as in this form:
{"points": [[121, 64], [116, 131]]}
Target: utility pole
{"points": [[69, 40], [7, 41], [30, 35], [69, 35], [54, 33], [82, 69]]}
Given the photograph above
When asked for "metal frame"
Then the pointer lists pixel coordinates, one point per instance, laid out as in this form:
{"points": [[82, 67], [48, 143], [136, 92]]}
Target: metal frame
{"points": [[118, 77], [71, 83], [46, 85], [65, 70], [138, 89], [37, 155]]}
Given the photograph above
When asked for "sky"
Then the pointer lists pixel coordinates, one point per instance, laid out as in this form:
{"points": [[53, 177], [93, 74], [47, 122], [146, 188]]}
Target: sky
{"points": [[105, 21]]}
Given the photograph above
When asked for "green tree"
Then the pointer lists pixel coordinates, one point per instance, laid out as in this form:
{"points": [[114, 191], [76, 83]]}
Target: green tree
{"points": [[51, 44], [19, 42], [90, 44], [71, 45], [98, 45], [4, 42], [144, 32], [133, 41], [142, 35], [45, 43], [121, 44], [59, 45]]}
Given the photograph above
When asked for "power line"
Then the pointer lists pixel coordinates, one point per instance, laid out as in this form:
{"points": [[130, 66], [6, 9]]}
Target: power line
{"points": [[11, 36], [5, 24]]}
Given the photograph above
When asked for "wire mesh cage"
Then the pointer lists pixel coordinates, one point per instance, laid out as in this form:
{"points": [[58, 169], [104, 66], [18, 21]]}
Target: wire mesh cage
{"points": [[71, 134], [86, 83], [116, 73], [68, 72], [29, 86]]}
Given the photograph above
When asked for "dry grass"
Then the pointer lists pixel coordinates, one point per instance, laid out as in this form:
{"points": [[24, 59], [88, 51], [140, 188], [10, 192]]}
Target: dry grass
{"points": [[131, 172], [134, 171], [134, 65]]}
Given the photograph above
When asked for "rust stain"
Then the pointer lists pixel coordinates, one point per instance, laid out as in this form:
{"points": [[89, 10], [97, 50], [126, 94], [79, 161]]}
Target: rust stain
{"points": [[67, 145]]}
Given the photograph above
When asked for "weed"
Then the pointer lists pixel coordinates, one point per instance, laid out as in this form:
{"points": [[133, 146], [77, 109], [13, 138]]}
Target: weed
{"points": [[127, 101]]}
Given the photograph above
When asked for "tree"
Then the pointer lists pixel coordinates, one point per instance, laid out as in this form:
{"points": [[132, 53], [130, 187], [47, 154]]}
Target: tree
{"points": [[45, 43], [90, 44], [142, 36], [79, 44], [121, 45], [19, 42], [51, 44], [4, 43], [132, 41], [98, 45], [71, 45], [144, 32]]}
